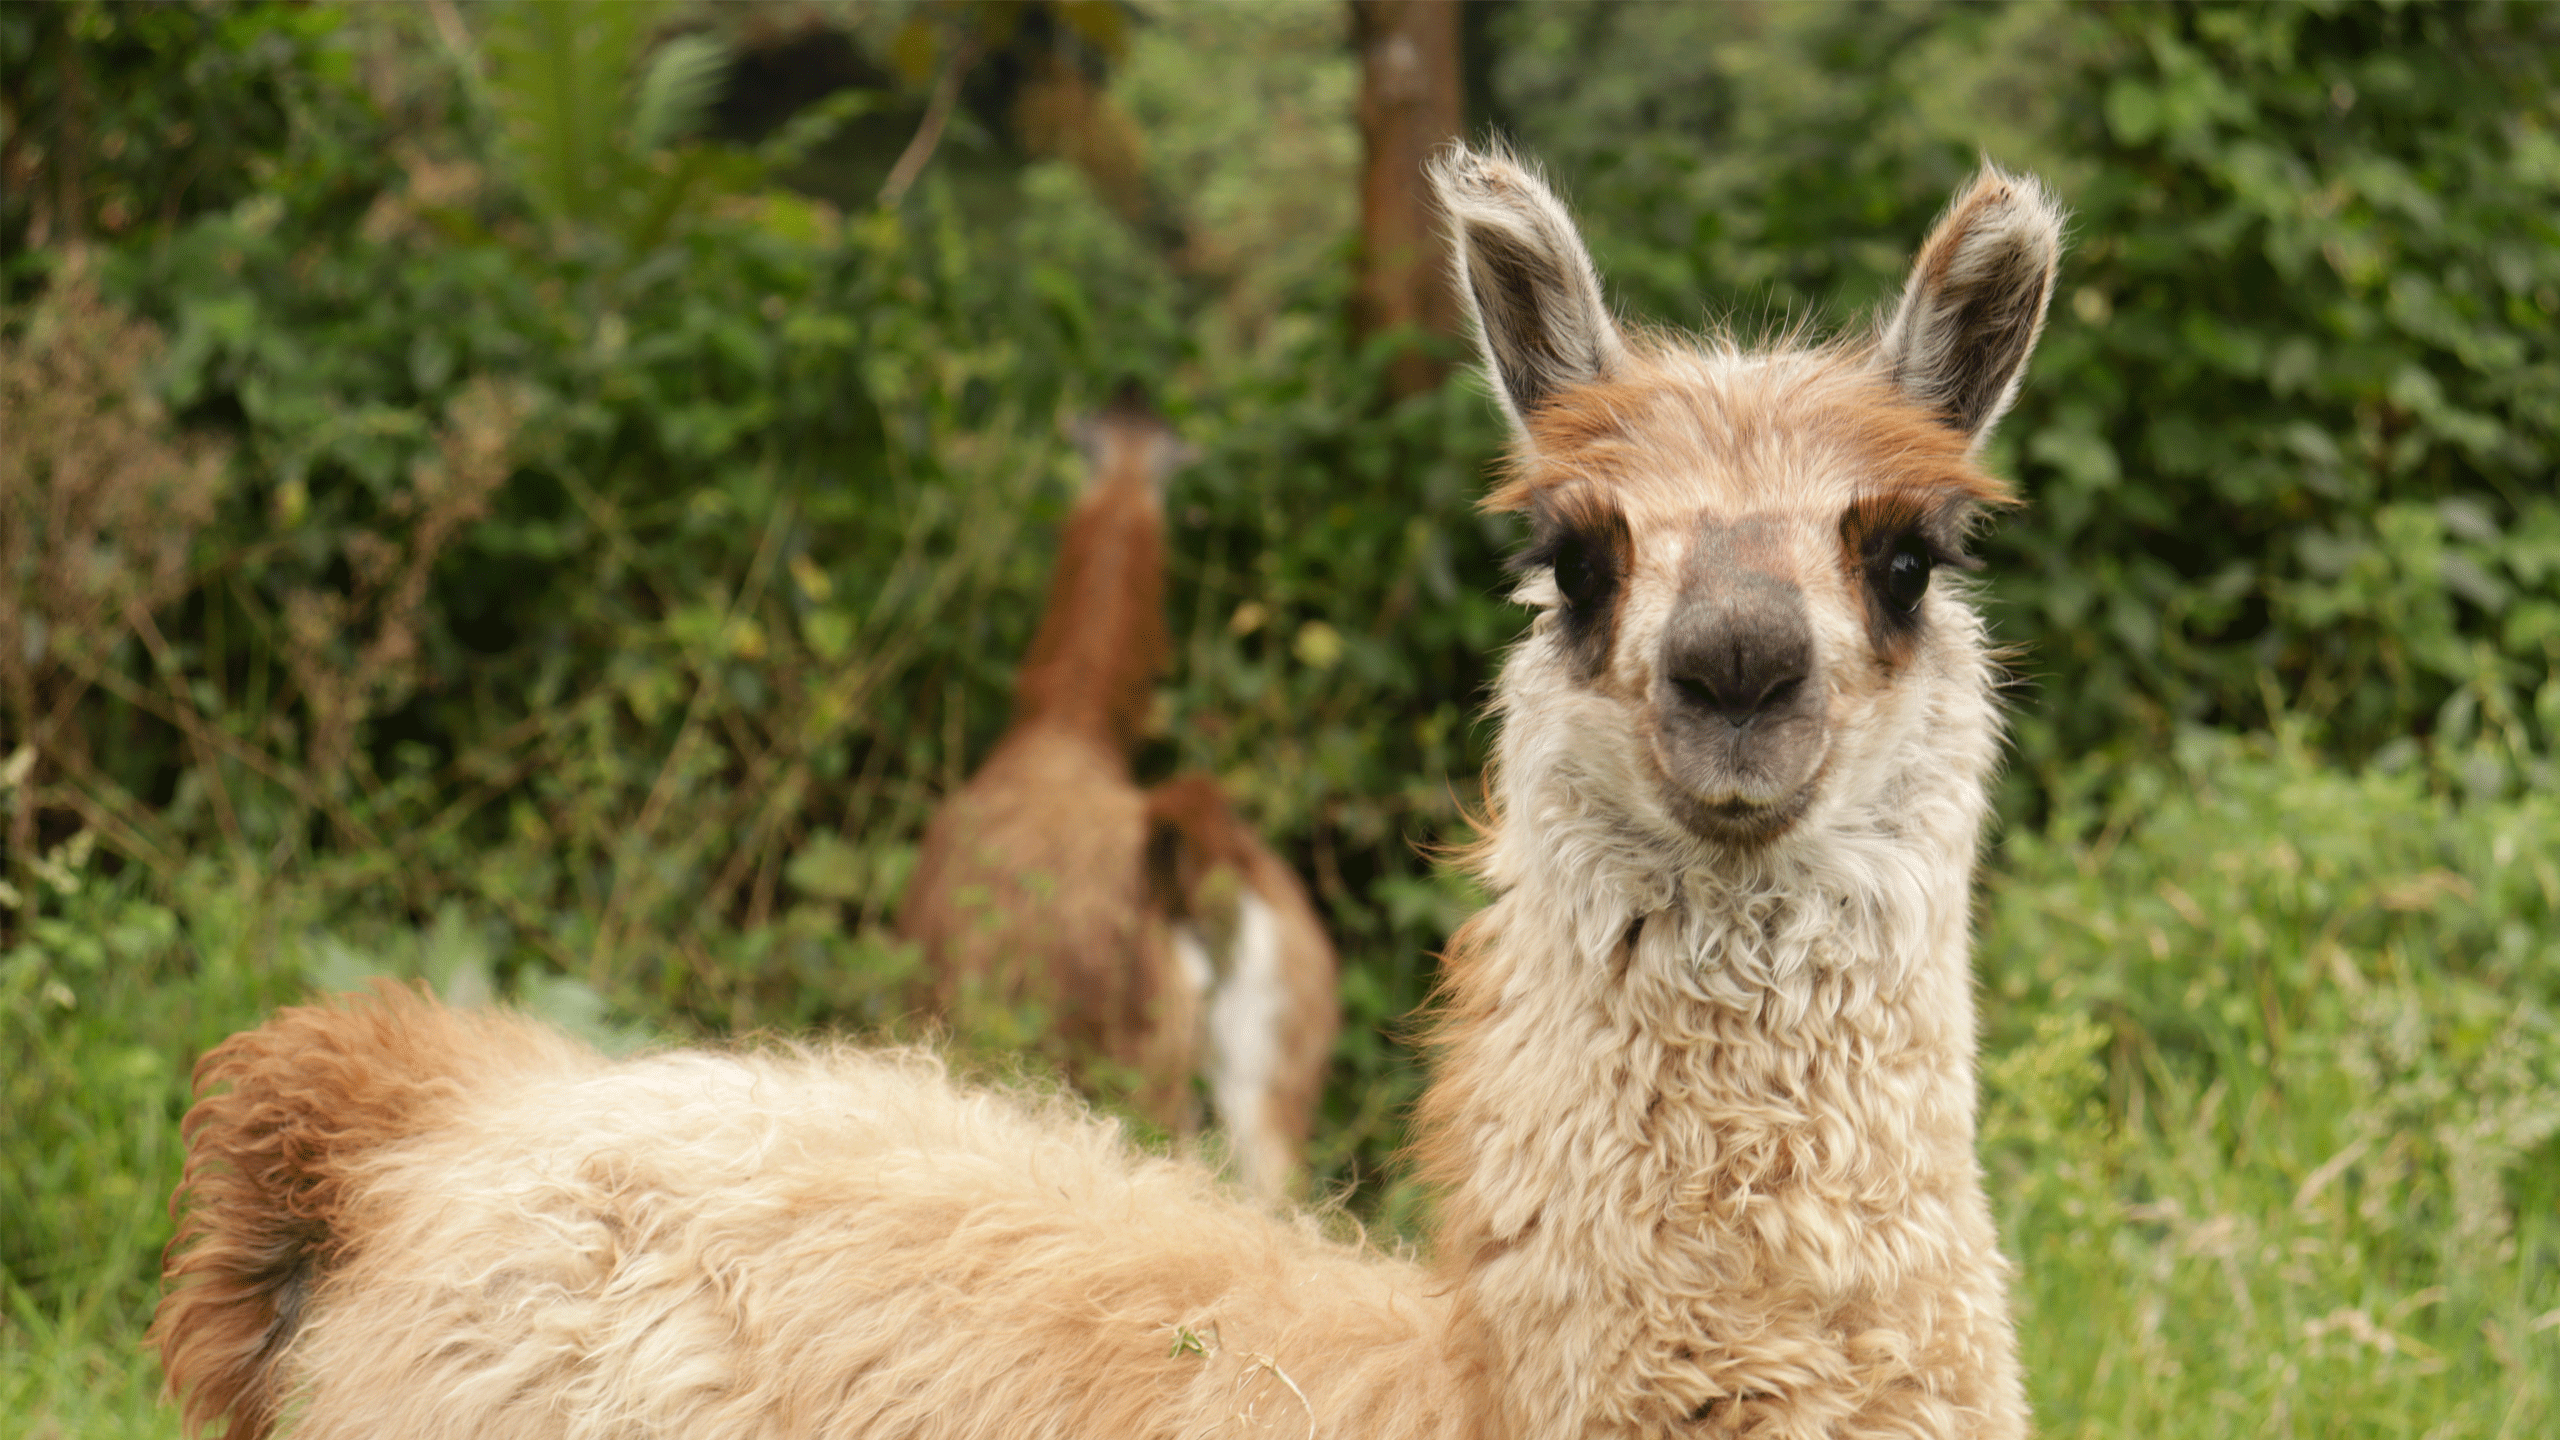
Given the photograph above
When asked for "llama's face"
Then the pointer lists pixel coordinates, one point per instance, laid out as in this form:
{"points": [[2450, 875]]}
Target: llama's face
{"points": [[1737, 562], [1740, 558]]}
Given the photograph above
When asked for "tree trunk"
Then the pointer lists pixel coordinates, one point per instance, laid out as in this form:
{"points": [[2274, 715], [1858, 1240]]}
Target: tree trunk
{"points": [[1410, 105]]}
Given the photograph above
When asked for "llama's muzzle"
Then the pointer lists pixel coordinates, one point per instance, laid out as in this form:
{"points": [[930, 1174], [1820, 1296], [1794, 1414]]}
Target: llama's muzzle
{"points": [[1738, 709]]}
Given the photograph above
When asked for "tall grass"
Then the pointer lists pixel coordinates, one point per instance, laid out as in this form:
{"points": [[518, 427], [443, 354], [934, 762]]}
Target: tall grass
{"points": [[2272, 1087]]}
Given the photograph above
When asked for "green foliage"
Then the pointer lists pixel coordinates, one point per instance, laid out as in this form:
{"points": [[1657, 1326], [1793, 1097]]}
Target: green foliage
{"points": [[2294, 420], [121, 119], [593, 114]]}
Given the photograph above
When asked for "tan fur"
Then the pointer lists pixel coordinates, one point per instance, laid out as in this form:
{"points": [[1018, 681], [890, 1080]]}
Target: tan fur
{"points": [[799, 1242], [271, 1197], [1702, 1122]]}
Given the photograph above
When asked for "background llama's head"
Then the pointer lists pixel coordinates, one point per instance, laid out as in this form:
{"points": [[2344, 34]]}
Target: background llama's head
{"points": [[1125, 441], [1747, 642]]}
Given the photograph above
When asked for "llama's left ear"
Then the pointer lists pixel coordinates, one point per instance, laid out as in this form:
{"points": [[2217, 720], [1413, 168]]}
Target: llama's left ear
{"points": [[1958, 340], [1526, 280]]}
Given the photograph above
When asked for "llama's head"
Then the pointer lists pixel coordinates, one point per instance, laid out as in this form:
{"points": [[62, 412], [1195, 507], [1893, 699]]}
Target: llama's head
{"points": [[1748, 641], [1127, 442]]}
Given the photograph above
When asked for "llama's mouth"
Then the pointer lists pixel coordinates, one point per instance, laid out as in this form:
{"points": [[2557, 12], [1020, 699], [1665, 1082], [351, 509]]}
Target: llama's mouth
{"points": [[1734, 821], [1738, 790]]}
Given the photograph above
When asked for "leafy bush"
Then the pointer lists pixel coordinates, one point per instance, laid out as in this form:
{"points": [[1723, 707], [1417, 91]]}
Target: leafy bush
{"points": [[123, 119]]}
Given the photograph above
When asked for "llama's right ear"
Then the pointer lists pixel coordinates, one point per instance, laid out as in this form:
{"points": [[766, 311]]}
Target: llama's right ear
{"points": [[1526, 280], [1958, 340]]}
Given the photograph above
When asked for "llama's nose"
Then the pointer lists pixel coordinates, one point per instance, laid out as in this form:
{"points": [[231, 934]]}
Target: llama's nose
{"points": [[1739, 661]]}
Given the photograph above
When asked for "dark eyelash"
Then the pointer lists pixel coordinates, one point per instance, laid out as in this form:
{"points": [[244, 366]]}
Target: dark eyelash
{"points": [[1540, 553], [1578, 520], [1882, 529]]}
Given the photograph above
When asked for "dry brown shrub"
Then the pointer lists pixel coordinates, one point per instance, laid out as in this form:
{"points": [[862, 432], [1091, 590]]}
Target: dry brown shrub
{"points": [[100, 503]]}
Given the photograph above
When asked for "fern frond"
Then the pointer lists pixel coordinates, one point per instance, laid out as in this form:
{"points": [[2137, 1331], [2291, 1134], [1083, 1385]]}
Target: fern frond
{"points": [[557, 73], [676, 91]]}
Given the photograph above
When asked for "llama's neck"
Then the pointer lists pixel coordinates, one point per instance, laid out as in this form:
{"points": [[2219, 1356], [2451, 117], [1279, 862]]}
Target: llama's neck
{"points": [[1093, 662], [1706, 1135]]}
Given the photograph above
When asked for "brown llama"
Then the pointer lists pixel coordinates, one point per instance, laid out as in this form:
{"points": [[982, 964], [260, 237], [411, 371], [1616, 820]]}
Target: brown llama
{"points": [[1702, 1120], [1031, 888], [1034, 885]]}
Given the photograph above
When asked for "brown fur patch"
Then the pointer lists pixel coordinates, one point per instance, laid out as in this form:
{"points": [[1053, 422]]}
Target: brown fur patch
{"points": [[1191, 830], [1578, 437], [1916, 454], [266, 1207], [1093, 662]]}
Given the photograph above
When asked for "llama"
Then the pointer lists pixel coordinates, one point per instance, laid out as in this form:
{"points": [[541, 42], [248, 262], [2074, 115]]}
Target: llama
{"points": [[1246, 929], [1030, 888], [1702, 1116], [1034, 883]]}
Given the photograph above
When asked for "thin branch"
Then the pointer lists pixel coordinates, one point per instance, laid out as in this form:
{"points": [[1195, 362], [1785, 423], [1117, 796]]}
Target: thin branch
{"points": [[191, 720], [105, 806], [937, 113], [304, 788]]}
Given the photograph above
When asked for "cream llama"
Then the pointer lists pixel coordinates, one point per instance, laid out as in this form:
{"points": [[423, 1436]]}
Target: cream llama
{"points": [[1702, 1124]]}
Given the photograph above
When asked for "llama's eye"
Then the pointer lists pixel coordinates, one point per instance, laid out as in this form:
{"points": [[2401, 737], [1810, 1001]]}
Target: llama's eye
{"points": [[1906, 573], [1583, 572]]}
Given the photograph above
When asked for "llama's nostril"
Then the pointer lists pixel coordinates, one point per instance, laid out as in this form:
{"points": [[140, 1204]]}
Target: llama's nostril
{"points": [[1697, 692]]}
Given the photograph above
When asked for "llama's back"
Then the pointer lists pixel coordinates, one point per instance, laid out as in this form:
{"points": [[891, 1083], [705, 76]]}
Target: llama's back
{"points": [[293, 1113], [832, 1242], [1030, 890]]}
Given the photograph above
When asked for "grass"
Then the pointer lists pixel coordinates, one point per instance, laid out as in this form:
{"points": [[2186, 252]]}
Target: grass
{"points": [[2271, 1091]]}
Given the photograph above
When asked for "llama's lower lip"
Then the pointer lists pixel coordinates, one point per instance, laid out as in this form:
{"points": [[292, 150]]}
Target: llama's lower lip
{"points": [[1735, 821]]}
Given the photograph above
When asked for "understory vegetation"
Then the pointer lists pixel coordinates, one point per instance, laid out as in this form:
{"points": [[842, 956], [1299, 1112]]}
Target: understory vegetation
{"points": [[480, 504]]}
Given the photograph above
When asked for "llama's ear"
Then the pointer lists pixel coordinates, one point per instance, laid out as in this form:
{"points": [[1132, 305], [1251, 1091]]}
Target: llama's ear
{"points": [[1958, 340], [1526, 280]]}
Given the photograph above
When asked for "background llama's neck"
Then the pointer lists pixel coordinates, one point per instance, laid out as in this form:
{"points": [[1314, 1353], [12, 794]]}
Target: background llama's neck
{"points": [[1092, 665], [1717, 1158]]}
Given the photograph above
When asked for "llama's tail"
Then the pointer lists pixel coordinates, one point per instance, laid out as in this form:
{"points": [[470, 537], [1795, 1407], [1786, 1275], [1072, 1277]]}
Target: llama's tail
{"points": [[286, 1111]]}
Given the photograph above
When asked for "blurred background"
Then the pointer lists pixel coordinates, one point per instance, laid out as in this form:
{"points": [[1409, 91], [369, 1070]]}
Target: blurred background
{"points": [[547, 498]]}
